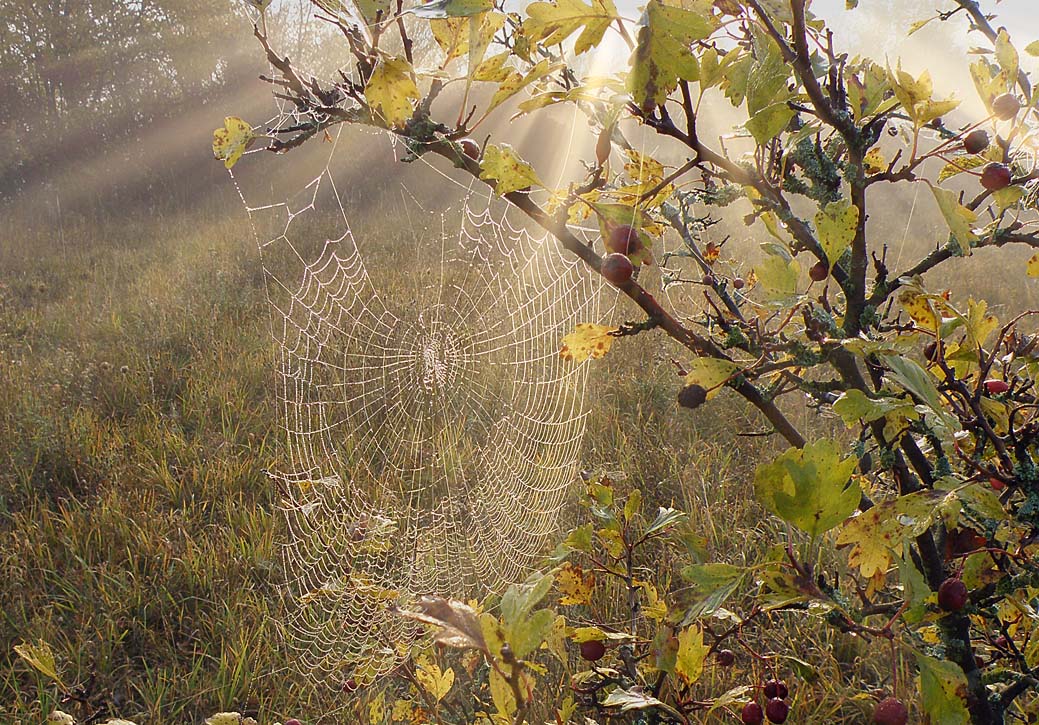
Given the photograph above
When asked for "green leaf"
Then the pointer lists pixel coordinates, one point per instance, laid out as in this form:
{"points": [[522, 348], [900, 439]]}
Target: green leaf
{"points": [[836, 223], [691, 654], [943, 691], [666, 518], [508, 171], [663, 53], [809, 488], [526, 635], [914, 588], [769, 76], [520, 599], [551, 23], [959, 218], [391, 89], [853, 406], [580, 539], [769, 121], [731, 697], [777, 277], [451, 8], [371, 11], [712, 585], [630, 700]]}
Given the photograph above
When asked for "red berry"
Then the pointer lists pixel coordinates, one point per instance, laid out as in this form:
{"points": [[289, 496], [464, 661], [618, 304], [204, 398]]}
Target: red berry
{"points": [[995, 176], [726, 657], [976, 141], [470, 148], [996, 484], [776, 710], [776, 689], [752, 714], [995, 387], [1001, 642], [623, 239], [819, 271], [709, 280], [738, 283], [617, 268], [1006, 106], [292, 721], [593, 650], [692, 396], [952, 595], [891, 711]]}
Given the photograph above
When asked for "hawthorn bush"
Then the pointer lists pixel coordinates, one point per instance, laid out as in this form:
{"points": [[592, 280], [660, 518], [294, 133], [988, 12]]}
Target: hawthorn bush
{"points": [[932, 506]]}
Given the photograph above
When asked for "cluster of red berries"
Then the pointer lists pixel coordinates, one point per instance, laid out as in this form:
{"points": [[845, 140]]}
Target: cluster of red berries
{"points": [[776, 708]]}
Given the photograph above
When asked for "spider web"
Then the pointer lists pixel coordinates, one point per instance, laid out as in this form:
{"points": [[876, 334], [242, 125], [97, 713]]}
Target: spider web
{"points": [[432, 430]]}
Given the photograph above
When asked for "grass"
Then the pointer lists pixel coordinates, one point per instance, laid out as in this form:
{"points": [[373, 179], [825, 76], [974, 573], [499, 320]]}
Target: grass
{"points": [[138, 529]]}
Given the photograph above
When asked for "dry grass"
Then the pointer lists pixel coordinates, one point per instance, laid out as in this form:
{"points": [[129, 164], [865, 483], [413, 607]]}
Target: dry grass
{"points": [[137, 526]]}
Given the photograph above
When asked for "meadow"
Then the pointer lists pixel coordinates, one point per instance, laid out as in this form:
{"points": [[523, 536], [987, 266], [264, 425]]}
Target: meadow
{"points": [[139, 531]]}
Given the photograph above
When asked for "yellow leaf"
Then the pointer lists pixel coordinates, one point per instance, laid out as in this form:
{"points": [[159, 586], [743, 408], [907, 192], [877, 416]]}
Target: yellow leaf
{"points": [[836, 223], [452, 35], [874, 161], [958, 217], [575, 584], [391, 89], [553, 22], [959, 165], [515, 82], [710, 374], [40, 656], [691, 654], [1032, 270], [643, 169], [919, 308], [231, 141], [225, 718], [875, 533], [435, 681], [588, 340], [508, 171], [377, 709]]}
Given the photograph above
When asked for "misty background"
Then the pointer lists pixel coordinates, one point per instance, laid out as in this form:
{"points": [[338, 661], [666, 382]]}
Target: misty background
{"points": [[107, 106]]}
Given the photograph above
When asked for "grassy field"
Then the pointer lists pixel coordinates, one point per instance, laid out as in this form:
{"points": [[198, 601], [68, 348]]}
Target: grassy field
{"points": [[138, 529]]}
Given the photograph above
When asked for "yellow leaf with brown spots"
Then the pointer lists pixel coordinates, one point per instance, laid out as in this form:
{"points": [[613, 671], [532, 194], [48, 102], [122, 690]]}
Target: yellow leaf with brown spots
{"points": [[391, 89], [575, 584], [231, 141], [507, 170], [588, 340], [874, 533], [1032, 270]]}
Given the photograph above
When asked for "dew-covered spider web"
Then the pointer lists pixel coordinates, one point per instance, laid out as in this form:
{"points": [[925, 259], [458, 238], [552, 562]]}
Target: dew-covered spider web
{"points": [[432, 430]]}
